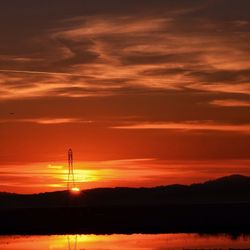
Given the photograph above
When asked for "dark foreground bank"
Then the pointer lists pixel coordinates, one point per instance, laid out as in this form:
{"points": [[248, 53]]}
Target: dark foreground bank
{"points": [[181, 218], [218, 206]]}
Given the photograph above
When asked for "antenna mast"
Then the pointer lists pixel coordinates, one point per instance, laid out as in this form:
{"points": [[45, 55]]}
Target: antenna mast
{"points": [[71, 178]]}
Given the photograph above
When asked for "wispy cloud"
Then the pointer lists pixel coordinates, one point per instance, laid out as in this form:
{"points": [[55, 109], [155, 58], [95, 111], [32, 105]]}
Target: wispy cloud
{"points": [[99, 26], [189, 126], [237, 88], [38, 72], [45, 121], [230, 103], [171, 51]]}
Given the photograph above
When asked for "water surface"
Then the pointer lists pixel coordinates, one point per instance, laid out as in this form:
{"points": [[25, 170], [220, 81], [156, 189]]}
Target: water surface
{"points": [[122, 242]]}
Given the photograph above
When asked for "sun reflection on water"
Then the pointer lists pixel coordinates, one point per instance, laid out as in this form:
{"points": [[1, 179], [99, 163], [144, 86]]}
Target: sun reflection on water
{"points": [[121, 242]]}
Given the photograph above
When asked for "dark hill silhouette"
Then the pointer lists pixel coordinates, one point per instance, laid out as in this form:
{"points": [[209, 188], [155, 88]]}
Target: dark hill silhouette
{"points": [[216, 206], [229, 189]]}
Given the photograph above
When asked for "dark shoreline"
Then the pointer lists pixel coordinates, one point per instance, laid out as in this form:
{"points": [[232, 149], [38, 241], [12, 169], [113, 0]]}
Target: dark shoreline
{"points": [[233, 219], [221, 206]]}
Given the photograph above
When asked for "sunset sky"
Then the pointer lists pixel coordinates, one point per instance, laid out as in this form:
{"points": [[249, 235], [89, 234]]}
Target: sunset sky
{"points": [[145, 92]]}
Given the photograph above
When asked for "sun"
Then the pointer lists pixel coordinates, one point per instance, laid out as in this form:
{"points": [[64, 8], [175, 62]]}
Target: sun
{"points": [[75, 190]]}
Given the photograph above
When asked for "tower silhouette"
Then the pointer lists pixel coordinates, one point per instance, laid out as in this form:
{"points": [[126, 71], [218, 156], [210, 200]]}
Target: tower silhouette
{"points": [[71, 177]]}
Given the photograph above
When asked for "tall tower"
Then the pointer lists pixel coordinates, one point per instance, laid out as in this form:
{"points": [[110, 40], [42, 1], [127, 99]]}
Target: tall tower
{"points": [[71, 178]]}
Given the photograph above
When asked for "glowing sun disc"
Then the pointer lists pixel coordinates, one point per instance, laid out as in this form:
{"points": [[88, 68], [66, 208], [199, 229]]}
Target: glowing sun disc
{"points": [[75, 189]]}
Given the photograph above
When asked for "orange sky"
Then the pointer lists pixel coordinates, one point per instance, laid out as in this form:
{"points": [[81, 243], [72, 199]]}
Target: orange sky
{"points": [[145, 92]]}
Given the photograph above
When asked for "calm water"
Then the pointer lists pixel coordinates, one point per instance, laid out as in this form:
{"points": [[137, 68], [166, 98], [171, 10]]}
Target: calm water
{"points": [[124, 242]]}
